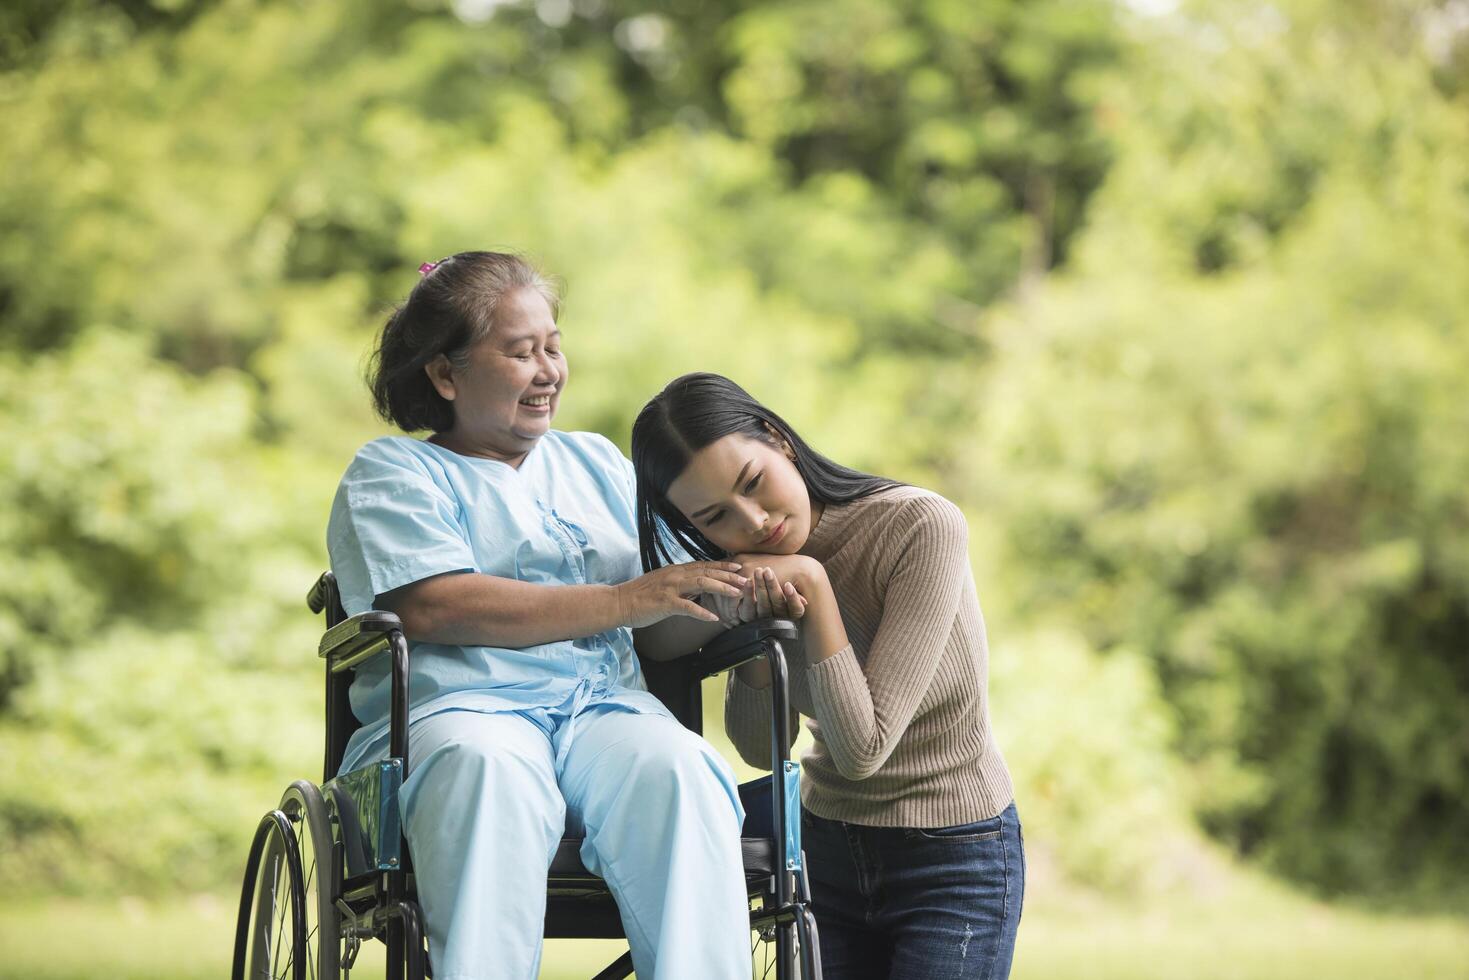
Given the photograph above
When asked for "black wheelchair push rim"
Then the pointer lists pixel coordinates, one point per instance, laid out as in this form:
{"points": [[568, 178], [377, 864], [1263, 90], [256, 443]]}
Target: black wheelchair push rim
{"points": [[266, 910]]}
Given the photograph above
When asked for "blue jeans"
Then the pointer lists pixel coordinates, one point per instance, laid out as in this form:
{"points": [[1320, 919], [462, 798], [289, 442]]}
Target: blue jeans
{"points": [[903, 903]]}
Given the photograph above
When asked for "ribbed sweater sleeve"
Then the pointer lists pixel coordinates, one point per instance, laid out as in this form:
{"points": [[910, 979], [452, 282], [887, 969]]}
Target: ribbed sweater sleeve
{"points": [[863, 710], [747, 712]]}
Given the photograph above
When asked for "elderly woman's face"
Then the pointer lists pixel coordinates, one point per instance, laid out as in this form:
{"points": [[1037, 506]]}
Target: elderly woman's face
{"points": [[505, 399]]}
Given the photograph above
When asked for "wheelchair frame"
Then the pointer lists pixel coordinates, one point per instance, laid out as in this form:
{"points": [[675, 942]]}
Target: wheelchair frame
{"points": [[351, 822]]}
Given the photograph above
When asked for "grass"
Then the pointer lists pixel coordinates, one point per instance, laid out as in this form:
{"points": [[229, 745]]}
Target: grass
{"points": [[1227, 923], [1247, 929]]}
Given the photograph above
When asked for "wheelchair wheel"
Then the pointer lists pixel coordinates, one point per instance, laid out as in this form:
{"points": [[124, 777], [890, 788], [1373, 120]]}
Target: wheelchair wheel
{"points": [[766, 952], [762, 953], [272, 923], [303, 805], [288, 928]]}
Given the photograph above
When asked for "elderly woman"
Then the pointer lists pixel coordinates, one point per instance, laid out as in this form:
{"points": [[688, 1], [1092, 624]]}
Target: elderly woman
{"points": [[510, 552]]}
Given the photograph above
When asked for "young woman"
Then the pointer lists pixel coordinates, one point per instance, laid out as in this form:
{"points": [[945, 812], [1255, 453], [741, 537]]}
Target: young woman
{"points": [[914, 848]]}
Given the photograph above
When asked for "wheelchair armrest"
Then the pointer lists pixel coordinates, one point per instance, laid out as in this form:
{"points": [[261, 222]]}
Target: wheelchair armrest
{"points": [[358, 638], [737, 645]]}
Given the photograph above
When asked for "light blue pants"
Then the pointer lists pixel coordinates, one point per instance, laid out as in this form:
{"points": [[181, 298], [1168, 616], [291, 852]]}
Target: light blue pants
{"points": [[489, 797]]}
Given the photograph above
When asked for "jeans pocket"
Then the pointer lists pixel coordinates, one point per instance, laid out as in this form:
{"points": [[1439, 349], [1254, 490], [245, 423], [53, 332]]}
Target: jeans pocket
{"points": [[980, 830]]}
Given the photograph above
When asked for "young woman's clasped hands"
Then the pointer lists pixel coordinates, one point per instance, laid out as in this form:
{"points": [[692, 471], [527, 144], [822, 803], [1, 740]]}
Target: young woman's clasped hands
{"points": [[791, 587]]}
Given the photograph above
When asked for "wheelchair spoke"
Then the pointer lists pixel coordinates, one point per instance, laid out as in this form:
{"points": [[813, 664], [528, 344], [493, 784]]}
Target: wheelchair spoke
{"points": [[762, 957], [279, 928], [273, 890], [303, 843]]}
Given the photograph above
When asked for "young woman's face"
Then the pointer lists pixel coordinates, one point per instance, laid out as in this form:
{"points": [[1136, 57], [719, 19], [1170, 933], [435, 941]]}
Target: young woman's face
{"points": [[745, 495]]}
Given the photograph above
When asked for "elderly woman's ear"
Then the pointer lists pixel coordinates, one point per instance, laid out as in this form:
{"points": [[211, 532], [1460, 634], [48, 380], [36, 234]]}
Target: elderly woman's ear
{"points": [[441, 375]]}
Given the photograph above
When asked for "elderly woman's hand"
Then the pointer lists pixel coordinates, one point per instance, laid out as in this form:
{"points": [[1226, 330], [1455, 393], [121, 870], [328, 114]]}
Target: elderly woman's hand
{"points": [[670, 591]]}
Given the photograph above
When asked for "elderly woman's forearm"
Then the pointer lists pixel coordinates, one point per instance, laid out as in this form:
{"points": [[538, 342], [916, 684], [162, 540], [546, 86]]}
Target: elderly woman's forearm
{"points": [[470, 609], [675, 637]]}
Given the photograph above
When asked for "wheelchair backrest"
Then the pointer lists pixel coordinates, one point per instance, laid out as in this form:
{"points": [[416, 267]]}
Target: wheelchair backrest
{"points": [[325, 597]]}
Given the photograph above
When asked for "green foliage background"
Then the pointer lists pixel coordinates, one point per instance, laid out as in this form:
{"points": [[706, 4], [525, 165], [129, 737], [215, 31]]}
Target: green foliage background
{"points": [[1172, 303]]}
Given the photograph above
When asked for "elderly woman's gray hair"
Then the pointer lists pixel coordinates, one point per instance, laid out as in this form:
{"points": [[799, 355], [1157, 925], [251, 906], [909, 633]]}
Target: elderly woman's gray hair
{"points": [[450, 310]]}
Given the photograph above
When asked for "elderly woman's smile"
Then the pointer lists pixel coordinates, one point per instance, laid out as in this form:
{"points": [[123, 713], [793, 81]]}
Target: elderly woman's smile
{"points": [[510, 386]]}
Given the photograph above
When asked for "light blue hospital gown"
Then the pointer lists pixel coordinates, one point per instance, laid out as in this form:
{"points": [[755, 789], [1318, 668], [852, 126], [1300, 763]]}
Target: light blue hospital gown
{"points": [[508, 748]]}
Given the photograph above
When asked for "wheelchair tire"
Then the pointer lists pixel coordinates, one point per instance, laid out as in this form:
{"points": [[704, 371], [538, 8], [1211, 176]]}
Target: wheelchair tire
{"points": [[272, 924], [288, 927], [303, 805]]}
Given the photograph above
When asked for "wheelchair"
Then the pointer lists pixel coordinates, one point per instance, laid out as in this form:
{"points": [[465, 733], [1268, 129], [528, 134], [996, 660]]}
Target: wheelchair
{"points": [[328, 868]]}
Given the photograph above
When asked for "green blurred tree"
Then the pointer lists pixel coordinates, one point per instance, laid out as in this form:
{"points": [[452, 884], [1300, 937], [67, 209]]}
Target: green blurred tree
{"points": [[1224, 442], [147, 666], [204, 223], [976, 119], [1233, 437]]}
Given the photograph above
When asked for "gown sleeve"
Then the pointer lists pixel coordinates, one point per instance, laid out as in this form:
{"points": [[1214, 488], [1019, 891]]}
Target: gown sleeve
{"points": [[393, 524]]}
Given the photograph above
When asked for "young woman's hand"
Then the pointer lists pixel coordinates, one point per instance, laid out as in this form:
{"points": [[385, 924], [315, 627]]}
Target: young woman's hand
{"points": [[769, 596], [753, 602], [764, 596], [796, 587], [799, 570], [671, 590]]}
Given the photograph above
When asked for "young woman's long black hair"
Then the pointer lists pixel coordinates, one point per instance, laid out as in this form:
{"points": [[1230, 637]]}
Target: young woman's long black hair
{"points": [[689, 414]]}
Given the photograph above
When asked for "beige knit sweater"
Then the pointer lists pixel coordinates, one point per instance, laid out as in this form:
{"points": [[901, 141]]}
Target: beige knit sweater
{"points": [[900, 717]]}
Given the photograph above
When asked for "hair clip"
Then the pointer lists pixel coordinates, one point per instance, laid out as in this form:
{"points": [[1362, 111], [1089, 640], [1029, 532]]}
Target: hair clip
{"points": [[427, 267]]}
